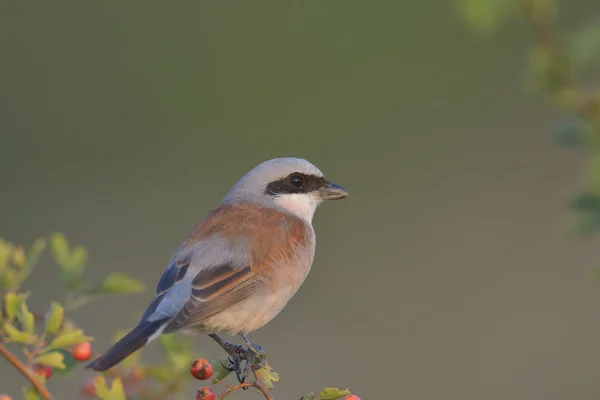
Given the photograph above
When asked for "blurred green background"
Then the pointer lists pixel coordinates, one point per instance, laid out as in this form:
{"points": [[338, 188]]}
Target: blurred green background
{"points": [[448, 273]]}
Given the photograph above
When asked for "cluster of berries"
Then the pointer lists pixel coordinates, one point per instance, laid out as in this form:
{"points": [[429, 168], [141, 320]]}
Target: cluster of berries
{"points": [[202, 369]]}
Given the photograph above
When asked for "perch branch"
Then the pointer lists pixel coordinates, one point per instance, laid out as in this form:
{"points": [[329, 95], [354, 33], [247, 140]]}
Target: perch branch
{"points": [[257, 384], [26, 372]]}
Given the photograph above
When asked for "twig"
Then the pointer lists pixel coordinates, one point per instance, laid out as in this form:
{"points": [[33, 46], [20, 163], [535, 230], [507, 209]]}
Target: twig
{"points": [[257, 384], [260, 385], [26, 372]]}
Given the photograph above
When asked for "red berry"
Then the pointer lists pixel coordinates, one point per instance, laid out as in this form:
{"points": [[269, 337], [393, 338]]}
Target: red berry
{"points": [[351, 397], [89, 389], [5, 397], [43, 370], [82, 351], [137, 374], [205, 393], [201, 369]]}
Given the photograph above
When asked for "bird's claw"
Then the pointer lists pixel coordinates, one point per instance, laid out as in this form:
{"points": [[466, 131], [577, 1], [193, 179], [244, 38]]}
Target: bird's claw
{"points": [[251, 358]]}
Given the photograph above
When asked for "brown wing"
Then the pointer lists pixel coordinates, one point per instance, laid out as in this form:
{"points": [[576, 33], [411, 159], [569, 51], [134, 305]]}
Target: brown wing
{"points": [[214, 290]]}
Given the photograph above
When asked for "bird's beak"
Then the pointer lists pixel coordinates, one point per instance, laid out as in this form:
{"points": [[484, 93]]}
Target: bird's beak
{"points": [[331, 191]]}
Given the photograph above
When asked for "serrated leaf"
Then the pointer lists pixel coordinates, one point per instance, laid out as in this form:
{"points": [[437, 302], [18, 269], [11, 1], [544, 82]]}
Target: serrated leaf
{"points": [[333, 393], [69, 361], [29, 393], [53, 318], [119, 283], [26, 318], [115, 392], [268, 375], [4, 253], [16, 335], [18, 256], [35, 250], [12, 302], [69, 339], [60, 249], [220, 370], [8, 278], [79, 256], [53, 359]]}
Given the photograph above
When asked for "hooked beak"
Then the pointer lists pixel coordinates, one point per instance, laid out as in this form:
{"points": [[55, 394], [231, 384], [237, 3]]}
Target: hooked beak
{"points": [[331, 191]]}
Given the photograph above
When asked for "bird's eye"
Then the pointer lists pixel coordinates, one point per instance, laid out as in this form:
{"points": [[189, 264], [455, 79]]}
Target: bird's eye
{"points": [[296, 181]]}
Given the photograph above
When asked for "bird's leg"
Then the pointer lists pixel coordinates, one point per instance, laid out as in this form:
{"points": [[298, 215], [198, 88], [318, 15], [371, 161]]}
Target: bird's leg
{"points": [[229, 347], [236, 353], [256, 350]]}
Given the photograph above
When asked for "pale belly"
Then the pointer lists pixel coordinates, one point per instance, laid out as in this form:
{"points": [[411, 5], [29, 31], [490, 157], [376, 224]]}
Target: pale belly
{"points": [[250, 314]]}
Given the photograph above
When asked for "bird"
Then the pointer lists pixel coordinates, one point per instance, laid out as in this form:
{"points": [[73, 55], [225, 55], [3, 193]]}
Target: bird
{"points": [[238, 268]]}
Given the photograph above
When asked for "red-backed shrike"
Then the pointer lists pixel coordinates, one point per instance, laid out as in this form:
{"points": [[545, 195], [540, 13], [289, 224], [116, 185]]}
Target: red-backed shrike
{"points": [[240, 266]]}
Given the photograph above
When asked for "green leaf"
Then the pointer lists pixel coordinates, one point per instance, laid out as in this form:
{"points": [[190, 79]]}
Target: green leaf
{"points": [[268, 375], [4, 253], [12, 302], [17, 336], [68, 339], [119, 283], [309, 396], [220, 370], [8, 278], [60, 249], [115, 392], [70, 263], [18, 256], [35, 251], [53, 359], [69, 361], [29, 393], [333, 393], [53, 318], [79, 256], [487, 15], [27, 319]]}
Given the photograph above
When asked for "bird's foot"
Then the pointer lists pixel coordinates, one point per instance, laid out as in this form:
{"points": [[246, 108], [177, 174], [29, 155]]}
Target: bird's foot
{"points": [[253, 355]]}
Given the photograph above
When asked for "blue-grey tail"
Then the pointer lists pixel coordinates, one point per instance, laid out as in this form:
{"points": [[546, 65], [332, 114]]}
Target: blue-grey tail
{"points": [[138, 337]]}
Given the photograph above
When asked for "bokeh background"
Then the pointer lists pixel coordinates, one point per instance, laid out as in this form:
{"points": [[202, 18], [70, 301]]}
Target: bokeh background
{"points": [[448, 273]]}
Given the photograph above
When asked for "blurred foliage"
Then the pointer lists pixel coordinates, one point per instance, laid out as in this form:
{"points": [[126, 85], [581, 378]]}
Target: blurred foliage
{"points": [[563, 67], [49, 341]]}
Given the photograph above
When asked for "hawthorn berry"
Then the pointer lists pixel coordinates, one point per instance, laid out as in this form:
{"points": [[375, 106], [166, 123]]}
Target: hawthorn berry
{"points": [[88, 389], [351, 397], [43, 370], [82, 351], [5, 397], [205, 393], [137, 374], [201, 369]]}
